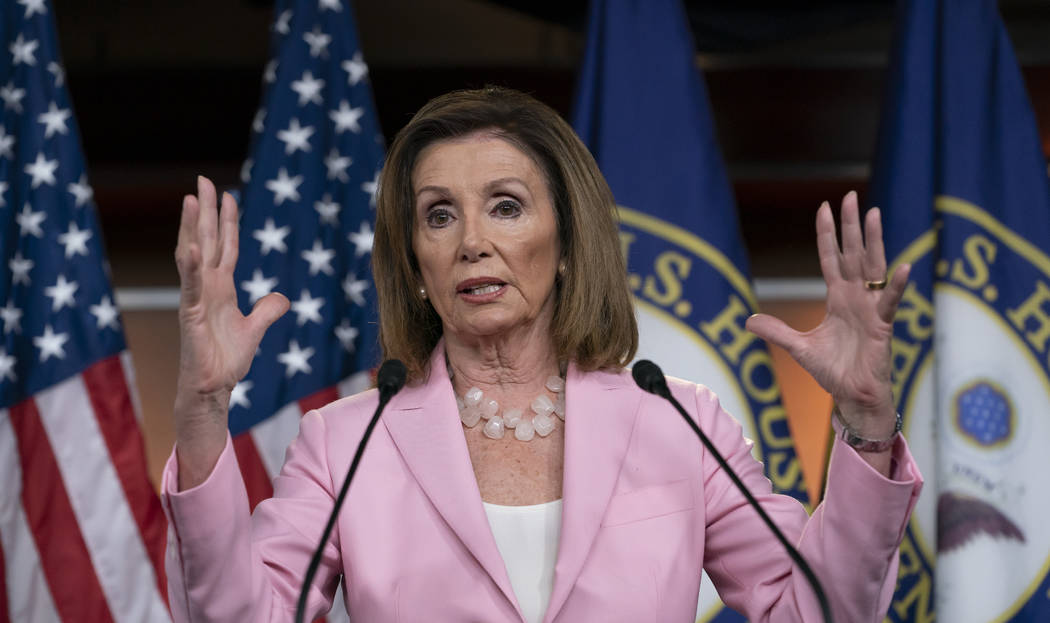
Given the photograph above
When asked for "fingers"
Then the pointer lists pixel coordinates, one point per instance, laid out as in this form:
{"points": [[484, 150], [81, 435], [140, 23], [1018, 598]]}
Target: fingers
{"points": [[852, 241], [874, 254], [228, 233], [891, 296], [265, 312], [207, 229], [828, 246], [187, 252], [775, 331]]}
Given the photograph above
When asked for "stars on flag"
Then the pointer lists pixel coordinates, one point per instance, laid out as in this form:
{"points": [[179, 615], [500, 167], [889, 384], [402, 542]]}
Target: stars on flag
{"points": [[75, 240], [296, 359], [7, 366], [320, 259], [29, 222], [23, 51], [346, 335], [281, 23], [331, 5], [3, 189], [81, 191], [284, 187], [51, 344], [327, 210], [33, 7], [355, 68], [105, 314], [308, 88], [257, 122], [56, 70], [61, 294], [318, 42], [12, 318], [362, 239], [307, 308], [7, 142], [270, 73], [337, 164], [295, 138], [239, 396], [271, 237], [42, 171], [259, 286], [12, 96], [20, 268], [346, 118], [54, 120], [354, 289], [371, 187]]}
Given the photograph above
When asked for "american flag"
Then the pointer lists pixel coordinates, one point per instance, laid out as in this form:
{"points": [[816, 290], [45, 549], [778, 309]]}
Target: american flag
{"points": [[307, 209], [81, 527]]}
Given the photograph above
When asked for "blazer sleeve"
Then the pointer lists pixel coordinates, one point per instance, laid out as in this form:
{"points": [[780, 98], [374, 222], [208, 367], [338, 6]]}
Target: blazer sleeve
{"points": [[851, 541], [224, 564]]}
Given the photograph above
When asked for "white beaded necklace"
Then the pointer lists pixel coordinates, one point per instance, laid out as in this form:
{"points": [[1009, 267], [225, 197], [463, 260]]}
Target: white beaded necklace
{"points": [[473, 407]]}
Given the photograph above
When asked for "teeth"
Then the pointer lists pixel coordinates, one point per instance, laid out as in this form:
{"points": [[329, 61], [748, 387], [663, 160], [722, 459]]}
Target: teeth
{"points": [[484, 289]]}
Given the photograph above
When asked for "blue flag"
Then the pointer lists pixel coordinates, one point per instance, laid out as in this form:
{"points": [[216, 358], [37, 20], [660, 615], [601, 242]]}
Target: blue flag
{"points": [[643, 111], [82, 532], [307, 214], [962, 182]]}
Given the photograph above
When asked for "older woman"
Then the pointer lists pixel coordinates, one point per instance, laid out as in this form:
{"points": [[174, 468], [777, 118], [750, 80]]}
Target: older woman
{"points": [[521, 475]]}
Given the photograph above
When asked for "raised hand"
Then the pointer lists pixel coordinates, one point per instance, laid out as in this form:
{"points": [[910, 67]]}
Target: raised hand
{"points": [[848, 353], [217, 342]]}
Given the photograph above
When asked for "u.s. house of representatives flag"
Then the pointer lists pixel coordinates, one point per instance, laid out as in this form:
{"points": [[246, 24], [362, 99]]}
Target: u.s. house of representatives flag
{"points": [[307, 210], [642, 109], [962, 182], [81, 527]]}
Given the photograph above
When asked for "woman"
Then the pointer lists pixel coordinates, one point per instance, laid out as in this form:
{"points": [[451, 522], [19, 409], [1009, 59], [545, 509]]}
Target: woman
{"points": [[502, 288]]}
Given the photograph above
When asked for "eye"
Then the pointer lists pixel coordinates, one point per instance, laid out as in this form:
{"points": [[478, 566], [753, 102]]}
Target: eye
{"points": [[438, 217], [507, 209]]}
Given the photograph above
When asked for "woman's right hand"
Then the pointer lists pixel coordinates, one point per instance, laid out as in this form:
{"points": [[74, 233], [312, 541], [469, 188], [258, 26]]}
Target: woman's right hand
{"points": [[217, 342]]}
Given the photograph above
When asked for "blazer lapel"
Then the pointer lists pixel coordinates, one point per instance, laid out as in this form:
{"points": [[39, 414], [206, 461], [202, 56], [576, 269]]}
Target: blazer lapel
{"points": [[599, 422], [424, 424]]}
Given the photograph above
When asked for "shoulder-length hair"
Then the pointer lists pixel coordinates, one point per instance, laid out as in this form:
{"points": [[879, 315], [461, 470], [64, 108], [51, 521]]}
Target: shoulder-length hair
{"points": [[594, 323]]}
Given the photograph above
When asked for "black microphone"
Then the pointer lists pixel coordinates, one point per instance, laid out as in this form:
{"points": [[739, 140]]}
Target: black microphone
{"points": [[389, 380], [649, 377]]}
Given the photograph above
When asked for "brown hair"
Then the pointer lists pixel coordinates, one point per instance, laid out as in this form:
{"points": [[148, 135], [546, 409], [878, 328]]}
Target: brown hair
{"points": [[594, 323]]}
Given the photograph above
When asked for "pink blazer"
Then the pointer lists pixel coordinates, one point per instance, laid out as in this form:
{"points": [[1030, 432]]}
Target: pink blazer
{"points": [[645, 508]]}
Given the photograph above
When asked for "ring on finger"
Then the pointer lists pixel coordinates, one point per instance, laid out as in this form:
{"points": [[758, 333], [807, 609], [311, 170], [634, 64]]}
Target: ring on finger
{"points": [[875, 285]]}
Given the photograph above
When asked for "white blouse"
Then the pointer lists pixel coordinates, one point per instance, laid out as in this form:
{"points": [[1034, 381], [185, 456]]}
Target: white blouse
{"points": [[527, 538]]}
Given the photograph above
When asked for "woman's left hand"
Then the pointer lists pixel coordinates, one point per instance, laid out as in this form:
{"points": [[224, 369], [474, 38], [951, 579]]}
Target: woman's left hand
{"points": [[848, 353]]}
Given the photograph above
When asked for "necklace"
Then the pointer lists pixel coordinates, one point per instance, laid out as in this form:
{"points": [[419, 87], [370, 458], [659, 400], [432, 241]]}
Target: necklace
{"points": [[474, 407]]}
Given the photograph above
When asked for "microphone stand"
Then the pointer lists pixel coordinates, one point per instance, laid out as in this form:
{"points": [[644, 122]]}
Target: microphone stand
{"points": [[649, 377], [389, 380]]}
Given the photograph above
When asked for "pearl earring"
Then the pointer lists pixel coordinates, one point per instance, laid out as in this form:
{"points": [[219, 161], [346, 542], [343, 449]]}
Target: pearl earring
{"points": [[562, 267], [423, 292]]}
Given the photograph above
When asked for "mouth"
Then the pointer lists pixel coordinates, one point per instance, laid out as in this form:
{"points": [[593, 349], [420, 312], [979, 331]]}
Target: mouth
{"points": [[480, 287]]}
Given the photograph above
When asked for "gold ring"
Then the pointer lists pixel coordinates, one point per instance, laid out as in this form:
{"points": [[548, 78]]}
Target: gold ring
{"points": [[875, 285]]}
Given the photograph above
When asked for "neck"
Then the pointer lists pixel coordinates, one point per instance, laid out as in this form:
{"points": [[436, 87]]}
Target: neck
{"points": [[511, 366]]}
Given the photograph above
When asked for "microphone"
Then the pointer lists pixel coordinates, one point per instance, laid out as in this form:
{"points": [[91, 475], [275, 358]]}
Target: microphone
{"points": [[649, 377], [389, 380]]}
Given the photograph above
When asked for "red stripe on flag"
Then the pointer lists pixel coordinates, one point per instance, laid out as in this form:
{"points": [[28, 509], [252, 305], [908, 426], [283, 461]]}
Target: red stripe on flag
{"points": [[107, 389], [64, 555], [256, 480], [318, 399], [5, 613]]}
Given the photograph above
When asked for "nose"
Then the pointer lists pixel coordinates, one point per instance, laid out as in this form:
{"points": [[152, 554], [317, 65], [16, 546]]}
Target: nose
{"points": [[475, 243]]}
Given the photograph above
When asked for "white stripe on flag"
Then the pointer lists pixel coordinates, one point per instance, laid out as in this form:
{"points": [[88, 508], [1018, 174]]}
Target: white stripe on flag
{"points": [[28, 596], [117, 552], [273, 435], [133, 388], [355, 383]]}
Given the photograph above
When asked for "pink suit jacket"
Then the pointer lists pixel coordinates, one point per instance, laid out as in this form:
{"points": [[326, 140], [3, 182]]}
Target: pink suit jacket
{"points": [[645, 508]]}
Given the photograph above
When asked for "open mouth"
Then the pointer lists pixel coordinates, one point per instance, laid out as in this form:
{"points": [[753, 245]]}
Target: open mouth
{"points": [[480, 288]]}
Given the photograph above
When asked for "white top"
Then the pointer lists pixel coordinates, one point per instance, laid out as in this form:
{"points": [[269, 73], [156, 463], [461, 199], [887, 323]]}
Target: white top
{"points": [[527, 538]]}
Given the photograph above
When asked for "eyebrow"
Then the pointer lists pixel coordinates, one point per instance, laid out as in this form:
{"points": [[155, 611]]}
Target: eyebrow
{"points": [[489, 187]]}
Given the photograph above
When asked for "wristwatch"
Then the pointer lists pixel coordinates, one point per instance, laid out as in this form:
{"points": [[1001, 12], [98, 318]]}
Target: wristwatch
{"points": [[863, 444]]}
